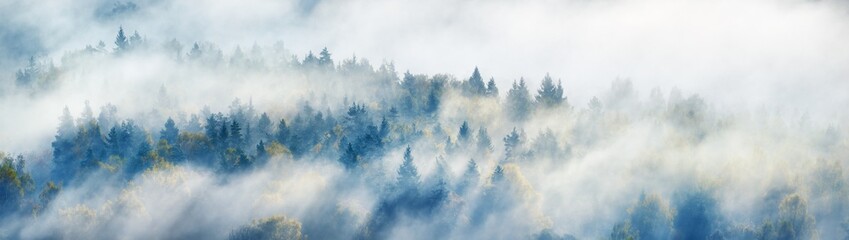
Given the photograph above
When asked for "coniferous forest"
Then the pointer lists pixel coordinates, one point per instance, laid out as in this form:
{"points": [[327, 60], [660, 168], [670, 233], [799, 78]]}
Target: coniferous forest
{"points": [[139, 136]]}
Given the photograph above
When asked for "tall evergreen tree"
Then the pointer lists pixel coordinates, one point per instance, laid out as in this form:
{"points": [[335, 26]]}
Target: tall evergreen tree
{"points": [[170, 133], [63, 154], [324, 59], [475, 85], [491, 89], [519, 101], [513, 144], [465, 134], [236, 138], [470, 177], [549, 95], [484, 142], [263, 126], [121, 41], [408, 175], [283, 133]]}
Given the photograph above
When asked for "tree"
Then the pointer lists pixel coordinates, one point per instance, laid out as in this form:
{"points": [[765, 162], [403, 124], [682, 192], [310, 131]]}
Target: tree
{"points": [[383, 132], [264, 126], [261, 152], [48, 193], [650, 218], [518, 101], [793, 222], [324, 59], [195, 53], [408, 175], [272, 228], [491, 89], [497, 175], [170, 133], [136, 40], [697, 216], [545, 145], [470, 177], [595, 105], [121, 40], [349, 157], [63, 154], [15, 183], [475, 85], [282, 134], [235, 135], [144, 158], [484, 142], [513, 143], [310, 60], [548, 95], [465, 134]]}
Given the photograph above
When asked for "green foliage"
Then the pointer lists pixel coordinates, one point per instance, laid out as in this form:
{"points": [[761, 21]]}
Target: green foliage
{"points": [[793, 222], [15, 183], [272, 228], [650, 218]]}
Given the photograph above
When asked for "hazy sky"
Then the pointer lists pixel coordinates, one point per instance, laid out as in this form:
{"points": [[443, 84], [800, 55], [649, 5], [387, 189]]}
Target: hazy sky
{"points": [[787, 54]]}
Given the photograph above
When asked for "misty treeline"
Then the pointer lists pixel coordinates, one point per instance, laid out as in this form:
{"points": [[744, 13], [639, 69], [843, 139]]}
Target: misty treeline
{"points": [[369, 153]]}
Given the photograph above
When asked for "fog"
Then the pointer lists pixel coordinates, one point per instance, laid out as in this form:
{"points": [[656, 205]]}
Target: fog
{"points": [[661, 120]]}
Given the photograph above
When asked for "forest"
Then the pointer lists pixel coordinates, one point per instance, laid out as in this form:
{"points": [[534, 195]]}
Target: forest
{"points": [[258, 143]]}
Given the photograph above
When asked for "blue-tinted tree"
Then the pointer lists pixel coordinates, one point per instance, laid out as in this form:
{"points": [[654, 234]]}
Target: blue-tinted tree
{"points": [[408, 175], [470, 177], [475, 86], [63, 152], [263, 126], [491, 89], [464, 136], [484, 142], [121, 42], [324, 59], [549, 95], [170, 133], [697, 216], [514, 145], [518, 104]]}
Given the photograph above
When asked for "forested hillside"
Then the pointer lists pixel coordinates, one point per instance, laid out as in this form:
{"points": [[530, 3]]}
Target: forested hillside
{"points": [[258, 143]]}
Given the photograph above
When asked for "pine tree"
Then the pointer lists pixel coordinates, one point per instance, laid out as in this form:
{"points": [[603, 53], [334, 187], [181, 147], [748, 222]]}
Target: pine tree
{"points": [[63, 154], [470, 177], [491, 89], [136, 40], [498, 174], [282, 134], [408, 175], [349, 157], [484, 142], [195, 53], [465, 134], [519, 101], [475, 85], [324, 59], [384, 129], [121, 40], [235, 135], [548, 95], [512, 144], [170, 133], [263, 126]]}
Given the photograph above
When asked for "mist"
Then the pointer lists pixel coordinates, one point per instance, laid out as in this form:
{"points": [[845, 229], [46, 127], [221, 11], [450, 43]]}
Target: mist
{"points": [[408, 120]]}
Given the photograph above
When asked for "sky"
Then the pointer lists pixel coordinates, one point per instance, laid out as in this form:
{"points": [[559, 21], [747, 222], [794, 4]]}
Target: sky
{"points": [[780, 55]]}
